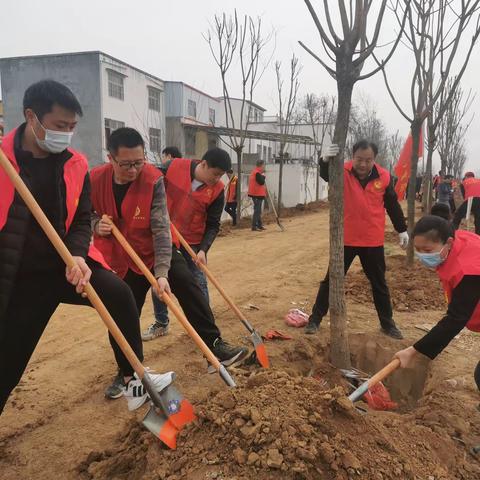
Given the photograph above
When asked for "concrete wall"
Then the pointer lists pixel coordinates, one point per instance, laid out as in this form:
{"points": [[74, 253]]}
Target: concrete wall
{"points": [[80, 72], [174, 99], [133, 109], [203, 103]]}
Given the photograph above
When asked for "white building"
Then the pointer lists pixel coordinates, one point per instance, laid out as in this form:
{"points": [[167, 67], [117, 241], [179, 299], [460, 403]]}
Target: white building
{"points": [[112, 93]]}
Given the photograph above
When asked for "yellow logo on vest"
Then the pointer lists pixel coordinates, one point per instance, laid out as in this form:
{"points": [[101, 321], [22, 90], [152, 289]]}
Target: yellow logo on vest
{"points": [[136, 215], [77, 200], [378, 185]]}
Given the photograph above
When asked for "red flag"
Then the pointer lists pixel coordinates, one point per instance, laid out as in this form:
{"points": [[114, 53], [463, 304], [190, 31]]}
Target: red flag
{"points": [[402, 168]]}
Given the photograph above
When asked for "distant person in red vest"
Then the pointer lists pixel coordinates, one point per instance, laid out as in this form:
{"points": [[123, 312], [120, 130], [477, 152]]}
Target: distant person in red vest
{"points": [[33, 278], [368, 192], [257, 191], [456, 258], [131, 191], [231, 200], [169, 153], [195, 197], [470, 188]]}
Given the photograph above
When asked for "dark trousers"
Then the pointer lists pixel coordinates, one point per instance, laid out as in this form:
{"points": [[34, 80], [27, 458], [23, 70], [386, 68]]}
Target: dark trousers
{"points": [[373, 264], [188, 292], [231, 209], [462, 212], [33, 301], [257, 212]]}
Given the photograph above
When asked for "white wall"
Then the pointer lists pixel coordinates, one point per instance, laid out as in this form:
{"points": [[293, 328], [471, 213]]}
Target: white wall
{"points": [[204, 103], [133, 109]]}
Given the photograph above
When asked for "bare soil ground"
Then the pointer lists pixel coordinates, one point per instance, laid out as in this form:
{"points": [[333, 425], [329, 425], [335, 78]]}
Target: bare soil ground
{"points": [[289, 422]]}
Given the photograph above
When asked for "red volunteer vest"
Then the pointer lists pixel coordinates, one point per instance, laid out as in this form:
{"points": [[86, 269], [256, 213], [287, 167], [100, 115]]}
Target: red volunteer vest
{"points": [[74, 172], [255, 189], [232, 190], [364, 209], [135, 221], [187, 209], [463, 259], [472, 187]]}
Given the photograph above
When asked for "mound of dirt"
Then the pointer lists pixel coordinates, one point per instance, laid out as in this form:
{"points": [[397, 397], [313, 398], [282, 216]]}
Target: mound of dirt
{"points": [[280, 425], [412, 288]]}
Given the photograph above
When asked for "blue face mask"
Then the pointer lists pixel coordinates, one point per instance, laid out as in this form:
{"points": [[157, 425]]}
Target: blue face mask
{"points": [[431, 260]]}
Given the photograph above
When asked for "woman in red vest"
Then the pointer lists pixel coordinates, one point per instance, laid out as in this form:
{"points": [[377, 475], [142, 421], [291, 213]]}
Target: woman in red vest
{"points": [[456, 258], [257, 191], [231, 196], [470, 188], [33, 280]]}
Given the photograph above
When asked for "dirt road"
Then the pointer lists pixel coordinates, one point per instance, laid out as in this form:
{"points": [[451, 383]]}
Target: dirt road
{"points": [[58, 414]]}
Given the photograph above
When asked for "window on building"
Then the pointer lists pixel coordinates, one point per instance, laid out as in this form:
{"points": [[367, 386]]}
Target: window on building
{"points": [[154, 99], [211, 115], [190, 142], [115, 84], [111, 126], [269, 158], [155, 140], [259, 151], [192, 109], [255, 115], [265, 153]]}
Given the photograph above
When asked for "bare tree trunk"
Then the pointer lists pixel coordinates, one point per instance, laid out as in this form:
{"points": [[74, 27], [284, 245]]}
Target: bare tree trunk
{"points": [[340, 351], [415, 128], [239, 183], [317, 182], [280, 182], [428, 187]]}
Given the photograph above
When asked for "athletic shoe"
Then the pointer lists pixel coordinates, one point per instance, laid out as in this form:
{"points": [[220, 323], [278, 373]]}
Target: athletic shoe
{"points": [[228, 354], [392, 331], [153, 331], [135, 391], [115, 390], [312, 326]]}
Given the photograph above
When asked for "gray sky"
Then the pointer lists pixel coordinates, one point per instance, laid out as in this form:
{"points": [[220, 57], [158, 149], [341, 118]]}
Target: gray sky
{"points": [[164, 37]]}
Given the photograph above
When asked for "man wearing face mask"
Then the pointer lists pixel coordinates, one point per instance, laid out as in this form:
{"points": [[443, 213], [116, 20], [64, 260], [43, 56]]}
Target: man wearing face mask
{"points": [[33, 279], [368, 192], [195, 202]]}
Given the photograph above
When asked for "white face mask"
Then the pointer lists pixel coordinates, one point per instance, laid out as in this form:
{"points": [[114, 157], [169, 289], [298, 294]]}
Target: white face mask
{"points": [[55, 141]]}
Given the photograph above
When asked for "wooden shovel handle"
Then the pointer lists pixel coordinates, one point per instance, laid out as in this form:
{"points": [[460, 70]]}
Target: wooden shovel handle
{"points": [[384, 372], [67, 257], [212, 278], [165, 297]]}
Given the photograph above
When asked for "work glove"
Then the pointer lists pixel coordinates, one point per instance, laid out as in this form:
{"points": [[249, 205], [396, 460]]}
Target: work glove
{"points": [[330, 151], [403, 239]]}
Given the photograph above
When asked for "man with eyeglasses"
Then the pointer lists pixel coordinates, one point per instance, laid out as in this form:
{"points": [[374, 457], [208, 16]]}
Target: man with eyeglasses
{"points": [[131, 192]]}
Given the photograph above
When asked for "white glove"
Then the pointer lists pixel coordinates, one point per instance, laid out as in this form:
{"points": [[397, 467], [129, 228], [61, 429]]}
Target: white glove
{"points": [[330, 151], [403, 239]]}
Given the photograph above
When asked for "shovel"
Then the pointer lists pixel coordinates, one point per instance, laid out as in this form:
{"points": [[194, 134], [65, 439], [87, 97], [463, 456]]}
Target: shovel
{"points": [[282, 228], [260, 350], [378, 377], [165, 297], [162, 417], [469, 212]]}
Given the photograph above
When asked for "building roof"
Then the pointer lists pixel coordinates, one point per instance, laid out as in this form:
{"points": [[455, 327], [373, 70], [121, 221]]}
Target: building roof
{"points": [[256, 105], [88, 52], [193, 88]]}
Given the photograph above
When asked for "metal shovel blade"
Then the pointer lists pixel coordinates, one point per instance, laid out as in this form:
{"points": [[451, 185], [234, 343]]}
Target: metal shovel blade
{"points": [[176, 407], [260, 349], [161, 427]]}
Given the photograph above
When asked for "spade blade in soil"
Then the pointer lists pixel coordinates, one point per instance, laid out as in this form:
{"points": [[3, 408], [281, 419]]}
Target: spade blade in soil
{"points": [[260, 349], [176, 407], [161, 427]]}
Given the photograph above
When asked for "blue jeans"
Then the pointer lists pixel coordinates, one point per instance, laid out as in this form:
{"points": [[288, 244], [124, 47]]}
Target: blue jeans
{"points": [[160, 309], [257, 212]]}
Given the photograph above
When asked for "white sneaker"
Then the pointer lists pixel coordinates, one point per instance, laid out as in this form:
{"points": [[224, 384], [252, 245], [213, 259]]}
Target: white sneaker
{"points": [[135, 392]]}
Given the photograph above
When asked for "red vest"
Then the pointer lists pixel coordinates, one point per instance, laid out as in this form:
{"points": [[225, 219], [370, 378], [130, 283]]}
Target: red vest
{"points": [[74, 172], [463, 259], [187, 209], [364, 209], [254, 188], [232, 190], [472, 187], [135, 221]]}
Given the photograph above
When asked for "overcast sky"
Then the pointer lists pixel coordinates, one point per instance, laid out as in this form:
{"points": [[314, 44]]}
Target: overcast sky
{"points": [[164, 37]]}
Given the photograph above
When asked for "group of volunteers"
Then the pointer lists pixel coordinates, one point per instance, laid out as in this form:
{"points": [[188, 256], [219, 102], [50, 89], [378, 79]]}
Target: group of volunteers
{"points": [[143, 201]]}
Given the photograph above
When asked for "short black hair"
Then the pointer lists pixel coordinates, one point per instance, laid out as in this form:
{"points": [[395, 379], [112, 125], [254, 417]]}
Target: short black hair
{"points": [[218, 158], [173, 151], [365, 145], [43, 95], [230, 171], [441, 210], [435, 229], [124, 137], [259, 163]]}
